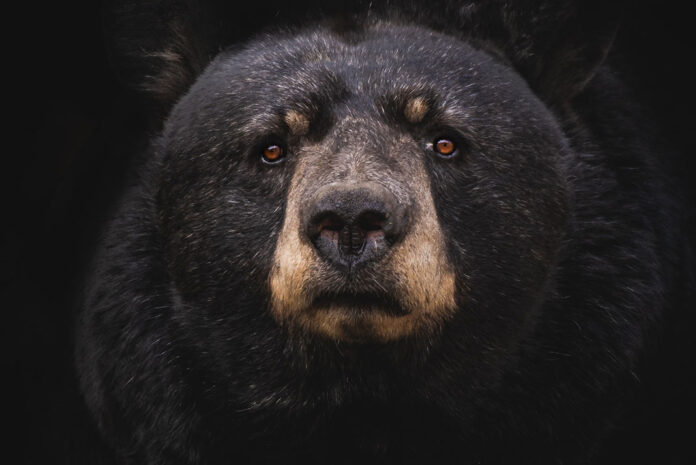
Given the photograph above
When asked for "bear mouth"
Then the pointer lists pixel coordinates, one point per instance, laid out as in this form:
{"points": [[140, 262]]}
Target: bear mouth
{"points": [[359, 304]]}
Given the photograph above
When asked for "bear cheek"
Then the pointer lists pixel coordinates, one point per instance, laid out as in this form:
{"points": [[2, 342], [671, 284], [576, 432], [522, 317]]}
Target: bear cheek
{"points": [[218, 241]]}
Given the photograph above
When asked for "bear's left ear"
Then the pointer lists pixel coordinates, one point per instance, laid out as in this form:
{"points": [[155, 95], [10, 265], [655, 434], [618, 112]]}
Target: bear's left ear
{"points": [[557, 45]]}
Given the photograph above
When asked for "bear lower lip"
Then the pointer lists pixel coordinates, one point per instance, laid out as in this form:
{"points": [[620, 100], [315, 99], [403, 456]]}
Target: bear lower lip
{"points": [[360, 302]]}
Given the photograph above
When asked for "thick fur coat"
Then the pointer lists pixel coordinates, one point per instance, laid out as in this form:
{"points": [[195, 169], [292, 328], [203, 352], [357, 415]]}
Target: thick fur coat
{"points": [[498, 310]]}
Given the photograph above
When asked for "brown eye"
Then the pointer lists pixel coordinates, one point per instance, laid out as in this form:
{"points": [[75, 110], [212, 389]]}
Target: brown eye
{"points": [[273, 154], [445, 147]]}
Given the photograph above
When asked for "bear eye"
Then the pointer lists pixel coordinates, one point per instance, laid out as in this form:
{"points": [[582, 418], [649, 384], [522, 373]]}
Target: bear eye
{"points": [[273, 154], [445, 147]]}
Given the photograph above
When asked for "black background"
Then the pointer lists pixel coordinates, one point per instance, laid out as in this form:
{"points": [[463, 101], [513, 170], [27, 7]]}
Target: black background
{"points": [[72, 130]]}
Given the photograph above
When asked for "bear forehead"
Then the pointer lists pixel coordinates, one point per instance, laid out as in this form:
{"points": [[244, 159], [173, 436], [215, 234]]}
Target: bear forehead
{"points": [[248, 91], [383, 56]]}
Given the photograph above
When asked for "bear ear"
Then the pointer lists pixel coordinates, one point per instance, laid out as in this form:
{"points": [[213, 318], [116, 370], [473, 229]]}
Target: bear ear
{"points": [[159, 47], [557, 45]]}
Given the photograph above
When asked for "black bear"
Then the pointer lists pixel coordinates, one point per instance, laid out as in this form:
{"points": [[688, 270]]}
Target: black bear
{"points": [[398, 234]]}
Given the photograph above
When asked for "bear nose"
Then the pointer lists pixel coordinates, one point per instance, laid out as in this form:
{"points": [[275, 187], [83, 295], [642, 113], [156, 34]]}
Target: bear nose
{"points": [[353, 225]]}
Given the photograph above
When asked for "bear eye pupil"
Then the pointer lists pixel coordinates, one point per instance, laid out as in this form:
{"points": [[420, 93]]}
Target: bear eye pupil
{"points": [[273, 153], [444, 146]]}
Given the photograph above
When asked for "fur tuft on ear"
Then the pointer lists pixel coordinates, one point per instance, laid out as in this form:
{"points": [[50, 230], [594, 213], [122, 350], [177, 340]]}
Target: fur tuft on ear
{"points": [[157, 46], [557, 45], [175, 67]]}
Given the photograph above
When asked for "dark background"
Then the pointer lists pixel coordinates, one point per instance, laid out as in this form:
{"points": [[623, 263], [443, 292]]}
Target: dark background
{"points": [[73, 128]]}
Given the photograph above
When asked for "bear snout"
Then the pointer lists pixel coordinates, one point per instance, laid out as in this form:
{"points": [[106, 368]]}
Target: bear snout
{"points": [[352, 225]]}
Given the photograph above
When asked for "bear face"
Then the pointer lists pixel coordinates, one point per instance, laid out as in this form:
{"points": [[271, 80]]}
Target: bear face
{"points": [[357, 135], [399, 244]]}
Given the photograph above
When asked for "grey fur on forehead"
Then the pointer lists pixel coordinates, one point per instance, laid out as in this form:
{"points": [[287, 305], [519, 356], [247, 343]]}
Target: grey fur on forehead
{"points": [[386, 50]]}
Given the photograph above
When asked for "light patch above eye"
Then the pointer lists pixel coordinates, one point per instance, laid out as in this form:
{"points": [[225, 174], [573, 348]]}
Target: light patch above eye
{"points": [[415, 109], [297, 122]]}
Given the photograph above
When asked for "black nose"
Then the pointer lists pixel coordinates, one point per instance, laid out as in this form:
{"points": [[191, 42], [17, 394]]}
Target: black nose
{"points": [[353, 225]]}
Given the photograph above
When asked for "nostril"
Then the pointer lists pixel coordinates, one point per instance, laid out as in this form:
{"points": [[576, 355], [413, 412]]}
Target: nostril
{"points": [[371, 220], [329, 222], [328, 226]]}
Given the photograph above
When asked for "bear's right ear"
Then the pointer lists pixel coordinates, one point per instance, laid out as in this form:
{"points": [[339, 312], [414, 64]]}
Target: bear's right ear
{"points": [[557, 45], [159, 47]]}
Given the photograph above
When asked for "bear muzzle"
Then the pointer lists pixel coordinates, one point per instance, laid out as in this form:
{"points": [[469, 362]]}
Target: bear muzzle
{"points": [[362, 257]]}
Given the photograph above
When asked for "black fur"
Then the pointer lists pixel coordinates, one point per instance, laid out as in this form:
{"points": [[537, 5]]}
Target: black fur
{"points": [[559, 219]]}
